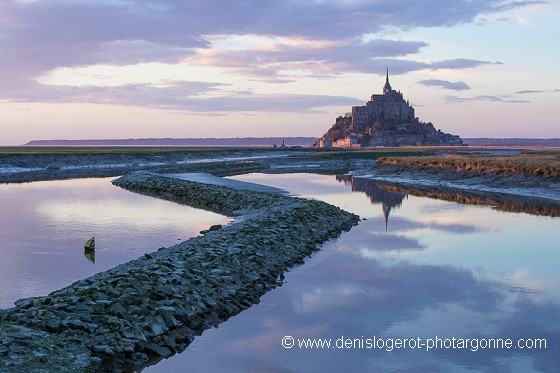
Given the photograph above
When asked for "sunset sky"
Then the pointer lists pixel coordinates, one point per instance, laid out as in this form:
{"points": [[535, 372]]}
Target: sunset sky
{"points": [[79, 69]]}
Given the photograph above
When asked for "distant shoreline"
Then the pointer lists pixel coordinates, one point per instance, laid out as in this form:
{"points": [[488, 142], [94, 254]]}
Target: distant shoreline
{"points": [[514, 141], [269, 142], [195, 142]]}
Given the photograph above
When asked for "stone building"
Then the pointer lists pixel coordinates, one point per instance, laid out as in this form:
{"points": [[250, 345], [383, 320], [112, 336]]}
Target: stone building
{"points": [[389, 105], [387, 119]]}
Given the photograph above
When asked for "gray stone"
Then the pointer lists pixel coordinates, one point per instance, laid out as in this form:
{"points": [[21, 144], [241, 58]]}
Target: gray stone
{"points": [[168, 317], [103, 350], [74, 324], [140, 358], [158, 350], [158, 329], [118, 309], [54, 325], [24, 302]]}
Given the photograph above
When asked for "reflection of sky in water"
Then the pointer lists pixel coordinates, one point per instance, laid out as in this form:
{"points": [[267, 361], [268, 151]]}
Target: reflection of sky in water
{"points": [[44, 226], [440, 269]]}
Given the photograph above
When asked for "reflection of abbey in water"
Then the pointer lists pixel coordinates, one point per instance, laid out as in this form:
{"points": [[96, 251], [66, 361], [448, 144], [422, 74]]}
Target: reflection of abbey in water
{"points": [[375, 193]]}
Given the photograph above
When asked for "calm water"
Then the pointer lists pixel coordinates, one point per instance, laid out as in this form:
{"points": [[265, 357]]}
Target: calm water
{"points": [[44, 225], [416, 267]]}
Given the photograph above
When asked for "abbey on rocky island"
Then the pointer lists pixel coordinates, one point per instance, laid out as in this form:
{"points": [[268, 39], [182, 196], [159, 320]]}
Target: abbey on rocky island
{"points": [[385, 120]]}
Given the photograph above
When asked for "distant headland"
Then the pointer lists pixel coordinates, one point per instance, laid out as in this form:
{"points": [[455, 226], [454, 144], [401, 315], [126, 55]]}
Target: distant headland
{"points": [[387, 119], [233, 141]]}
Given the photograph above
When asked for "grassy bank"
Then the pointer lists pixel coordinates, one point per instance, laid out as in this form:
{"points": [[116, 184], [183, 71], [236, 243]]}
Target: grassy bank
{"points": [[529, 164]]}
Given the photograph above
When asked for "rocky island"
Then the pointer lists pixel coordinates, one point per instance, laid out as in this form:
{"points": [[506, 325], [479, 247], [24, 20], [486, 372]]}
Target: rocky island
{"points": [[385, 120]]}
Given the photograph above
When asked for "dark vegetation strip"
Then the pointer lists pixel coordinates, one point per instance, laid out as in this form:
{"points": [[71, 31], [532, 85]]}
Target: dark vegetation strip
{"points": [[542, 165], [153, 307]]}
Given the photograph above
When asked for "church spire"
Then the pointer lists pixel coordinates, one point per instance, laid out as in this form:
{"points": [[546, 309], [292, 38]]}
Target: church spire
{"points": [[387, 87], [386, 210]]}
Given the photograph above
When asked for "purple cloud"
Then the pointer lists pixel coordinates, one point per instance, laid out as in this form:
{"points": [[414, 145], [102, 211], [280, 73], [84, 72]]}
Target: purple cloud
{"points": [[39, 36], [400, 66], [455, 99], [530, 91], [459, 63], [456, 86], [320, 58]]}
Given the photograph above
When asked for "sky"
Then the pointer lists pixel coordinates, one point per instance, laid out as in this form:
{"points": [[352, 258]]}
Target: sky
{"points": [[91, 69]]}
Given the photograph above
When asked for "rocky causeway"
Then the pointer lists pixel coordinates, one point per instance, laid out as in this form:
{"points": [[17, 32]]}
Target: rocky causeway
{"points": [[153, 307]]}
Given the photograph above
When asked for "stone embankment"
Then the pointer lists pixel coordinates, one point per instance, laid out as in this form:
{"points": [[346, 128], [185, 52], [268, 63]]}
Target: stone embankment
{"points": [[153, 307]]}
